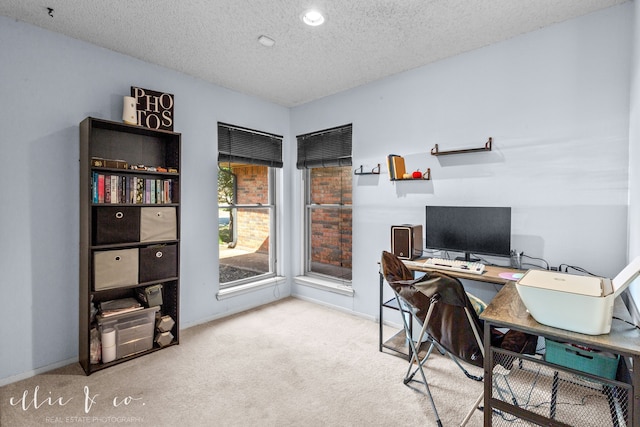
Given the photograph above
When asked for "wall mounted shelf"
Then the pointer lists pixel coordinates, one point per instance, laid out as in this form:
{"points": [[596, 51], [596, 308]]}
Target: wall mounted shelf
{"points": [[426, 176], [487, 147], [361, 171]]}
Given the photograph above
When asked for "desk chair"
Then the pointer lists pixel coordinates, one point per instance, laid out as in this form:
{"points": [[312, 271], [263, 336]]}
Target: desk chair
{"points": [[448, 320]]}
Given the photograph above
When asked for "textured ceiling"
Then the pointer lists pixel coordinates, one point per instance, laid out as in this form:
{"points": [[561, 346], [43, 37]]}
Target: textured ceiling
{"points": [[361, 40]]}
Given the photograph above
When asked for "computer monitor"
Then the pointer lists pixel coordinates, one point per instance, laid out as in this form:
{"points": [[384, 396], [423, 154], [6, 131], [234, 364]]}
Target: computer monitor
{"points": [[472, 230]]}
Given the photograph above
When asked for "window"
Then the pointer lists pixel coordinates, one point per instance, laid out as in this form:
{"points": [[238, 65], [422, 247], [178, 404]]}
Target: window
{"points": [[247, 161], [325, 157]]}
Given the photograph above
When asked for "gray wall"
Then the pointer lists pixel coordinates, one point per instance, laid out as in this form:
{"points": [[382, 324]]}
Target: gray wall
{"points": [[48, 84], [634, 153], [556, 102]]}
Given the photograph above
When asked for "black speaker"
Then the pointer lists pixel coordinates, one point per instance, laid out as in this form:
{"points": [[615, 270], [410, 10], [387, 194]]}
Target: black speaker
{"points": [[406, 241]]}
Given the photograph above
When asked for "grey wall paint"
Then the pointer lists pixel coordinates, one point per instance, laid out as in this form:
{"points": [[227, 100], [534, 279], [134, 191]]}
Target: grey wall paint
{"points": [[555, 101], [634, 153], [48, 84]]}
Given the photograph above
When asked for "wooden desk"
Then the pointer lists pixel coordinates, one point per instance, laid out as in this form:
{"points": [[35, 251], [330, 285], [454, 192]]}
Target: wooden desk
{"points": [[491, 273], [507, 310]]}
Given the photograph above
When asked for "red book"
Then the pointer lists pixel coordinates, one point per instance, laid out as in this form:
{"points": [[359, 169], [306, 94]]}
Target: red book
{"points": [[100, 188], [166, 192]]}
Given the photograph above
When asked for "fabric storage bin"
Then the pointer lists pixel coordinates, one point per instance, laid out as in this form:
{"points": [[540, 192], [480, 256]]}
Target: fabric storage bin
{"points": [[602, 364], [114, 269], [134, 330], [158, 262], [158, 224], [116, 224]]}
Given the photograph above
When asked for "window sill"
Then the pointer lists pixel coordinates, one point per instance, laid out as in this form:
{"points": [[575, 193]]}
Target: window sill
{"points": [[325, 285], [248, 287]]}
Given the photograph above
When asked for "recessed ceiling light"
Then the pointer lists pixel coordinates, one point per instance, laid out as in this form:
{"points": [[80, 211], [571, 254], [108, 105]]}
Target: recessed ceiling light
{"points": [[312, 17], [266, 41]]}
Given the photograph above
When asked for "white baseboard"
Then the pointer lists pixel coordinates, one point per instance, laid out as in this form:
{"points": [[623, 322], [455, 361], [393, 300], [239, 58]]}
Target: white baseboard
{"points": [[34, 372], [335, 307]]}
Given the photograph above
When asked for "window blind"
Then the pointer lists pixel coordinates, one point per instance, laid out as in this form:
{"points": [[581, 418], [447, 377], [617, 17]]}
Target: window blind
{"points": [[326, 148], [240, 145]]}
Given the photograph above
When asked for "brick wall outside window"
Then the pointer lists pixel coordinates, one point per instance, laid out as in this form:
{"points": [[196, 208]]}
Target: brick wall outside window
{"points": [[252, 225], [331, 227]]}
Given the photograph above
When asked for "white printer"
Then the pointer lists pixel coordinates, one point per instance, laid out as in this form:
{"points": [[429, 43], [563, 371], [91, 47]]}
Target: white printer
{"points": [[581, 304]]}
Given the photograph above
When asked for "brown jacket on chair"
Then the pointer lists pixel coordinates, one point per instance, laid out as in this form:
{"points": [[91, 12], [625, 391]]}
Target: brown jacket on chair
{"points": [[449, 324]]}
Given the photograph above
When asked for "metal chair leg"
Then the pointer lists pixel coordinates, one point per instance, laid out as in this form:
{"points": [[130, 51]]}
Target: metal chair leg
{"points": [[472, 410], [415, 357]]}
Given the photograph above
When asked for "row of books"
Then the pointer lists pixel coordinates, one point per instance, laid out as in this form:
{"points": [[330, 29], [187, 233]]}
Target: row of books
{"points": [[131, 189], [396, 167]]}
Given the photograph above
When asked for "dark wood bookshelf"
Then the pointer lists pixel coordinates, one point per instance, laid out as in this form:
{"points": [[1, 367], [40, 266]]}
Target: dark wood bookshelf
{"points": [[135, 145]]}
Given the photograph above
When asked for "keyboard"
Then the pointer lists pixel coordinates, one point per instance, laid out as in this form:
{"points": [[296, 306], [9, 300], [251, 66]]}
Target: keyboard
{"points": [[454, 265]]}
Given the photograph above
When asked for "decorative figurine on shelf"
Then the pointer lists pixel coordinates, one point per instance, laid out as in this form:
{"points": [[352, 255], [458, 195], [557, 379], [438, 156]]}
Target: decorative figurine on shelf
{"points": [[129, 114], [417, 175]]}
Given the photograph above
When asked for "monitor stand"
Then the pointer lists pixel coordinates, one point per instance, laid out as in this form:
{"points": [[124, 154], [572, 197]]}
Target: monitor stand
{"points": [[467, 257]]}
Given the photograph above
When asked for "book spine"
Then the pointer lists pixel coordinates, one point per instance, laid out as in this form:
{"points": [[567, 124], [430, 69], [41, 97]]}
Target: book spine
{"points": [[152, 192], [139, 190], [159, 191], [398, 167], [123, 189], [94, 187], [134, 184], [147, 191], [107, 188], [127, 189], [390, 166], [100, 188], [114, 189]]}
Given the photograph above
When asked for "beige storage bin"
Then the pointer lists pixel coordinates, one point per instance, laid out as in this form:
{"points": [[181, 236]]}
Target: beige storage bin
{"points": [[158, 224], [114, 269]]}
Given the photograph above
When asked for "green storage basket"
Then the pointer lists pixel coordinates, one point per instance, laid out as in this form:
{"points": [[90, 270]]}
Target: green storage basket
{"points": [[592, 362]]}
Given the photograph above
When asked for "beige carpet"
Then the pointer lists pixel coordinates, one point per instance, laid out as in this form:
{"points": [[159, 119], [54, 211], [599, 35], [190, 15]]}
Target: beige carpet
{"points": [[290, 363]]}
